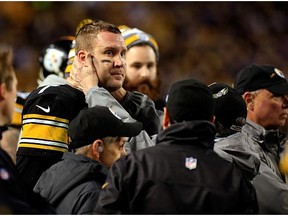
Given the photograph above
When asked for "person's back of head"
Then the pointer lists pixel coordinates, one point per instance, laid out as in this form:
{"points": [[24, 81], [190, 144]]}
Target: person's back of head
{"points": [[230, 109], [53, 58], [189, 100]]}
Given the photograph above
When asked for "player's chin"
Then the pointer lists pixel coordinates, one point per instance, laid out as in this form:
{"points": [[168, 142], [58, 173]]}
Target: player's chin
{"points": [[116, 84], [281, 122]]}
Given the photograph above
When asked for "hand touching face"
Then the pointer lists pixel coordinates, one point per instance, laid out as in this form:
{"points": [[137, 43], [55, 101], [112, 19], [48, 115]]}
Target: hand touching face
{"points": [[105, 66], [83, 76]]}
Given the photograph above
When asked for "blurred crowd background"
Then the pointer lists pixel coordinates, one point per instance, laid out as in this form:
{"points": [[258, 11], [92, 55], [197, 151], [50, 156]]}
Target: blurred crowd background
{"points": [[210, 41]]}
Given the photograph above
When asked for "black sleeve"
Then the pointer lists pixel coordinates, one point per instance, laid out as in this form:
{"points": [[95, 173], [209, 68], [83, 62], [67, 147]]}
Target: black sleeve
{"points": [[142, 108]]}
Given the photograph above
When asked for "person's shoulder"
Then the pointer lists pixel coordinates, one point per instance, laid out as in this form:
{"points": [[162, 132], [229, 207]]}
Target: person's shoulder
{"points": [[64, 89], [63, 93], [139, 157], [234, 139]]}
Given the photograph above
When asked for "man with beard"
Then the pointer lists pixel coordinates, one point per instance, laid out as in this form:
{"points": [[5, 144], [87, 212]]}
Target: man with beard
{"points": [[142, 58]]}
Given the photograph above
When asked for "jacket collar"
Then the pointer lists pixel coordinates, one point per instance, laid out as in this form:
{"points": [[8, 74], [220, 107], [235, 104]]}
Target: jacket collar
{"points": [[271, 140], [187, 132]]}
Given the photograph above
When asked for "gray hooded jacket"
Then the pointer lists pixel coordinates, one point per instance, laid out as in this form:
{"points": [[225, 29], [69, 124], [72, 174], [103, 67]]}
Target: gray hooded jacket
{"points": [[251, 146], [72, 185]]}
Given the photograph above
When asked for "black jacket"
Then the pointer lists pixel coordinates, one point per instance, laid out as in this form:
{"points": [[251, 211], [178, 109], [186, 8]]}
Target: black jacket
{"points": [[180, 175], [72, 185], [14, 198], [142, 109]]}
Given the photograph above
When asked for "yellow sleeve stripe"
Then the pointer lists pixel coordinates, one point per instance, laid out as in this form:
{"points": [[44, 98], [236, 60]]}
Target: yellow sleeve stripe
{"points": [[44, 122], [17, 115], [17, 119], [18, 108], [105, 185], [46, 132], [45, 117], [28, 145], [43, 142]]}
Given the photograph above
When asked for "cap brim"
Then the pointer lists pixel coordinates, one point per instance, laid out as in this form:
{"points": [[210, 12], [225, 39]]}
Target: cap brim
{"points": [[279, 89], [129, 129]]}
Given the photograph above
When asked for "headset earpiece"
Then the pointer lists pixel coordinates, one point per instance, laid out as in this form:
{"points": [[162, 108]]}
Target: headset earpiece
{"points": [[99, 149]]}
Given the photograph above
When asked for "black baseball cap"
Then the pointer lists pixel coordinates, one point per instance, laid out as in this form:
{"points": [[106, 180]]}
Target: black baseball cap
{"points": [[189, 100], [254, 77], [99, 122], [230, 107]]}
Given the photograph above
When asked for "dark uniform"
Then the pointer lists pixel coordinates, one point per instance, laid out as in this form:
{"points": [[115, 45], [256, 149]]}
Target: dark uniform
{"points": [[14, 196], [180, 175], [44, 137]]}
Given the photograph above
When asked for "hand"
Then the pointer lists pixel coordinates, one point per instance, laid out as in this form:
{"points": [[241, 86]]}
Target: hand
{"points": [[83, 74]]}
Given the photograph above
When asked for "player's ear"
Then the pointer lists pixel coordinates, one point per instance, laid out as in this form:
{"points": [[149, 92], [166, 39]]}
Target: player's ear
{"points": [[81, 56]]}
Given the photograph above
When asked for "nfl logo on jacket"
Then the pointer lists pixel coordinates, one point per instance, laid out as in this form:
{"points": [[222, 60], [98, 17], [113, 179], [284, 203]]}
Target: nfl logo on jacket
{"points": [[191, 163]]}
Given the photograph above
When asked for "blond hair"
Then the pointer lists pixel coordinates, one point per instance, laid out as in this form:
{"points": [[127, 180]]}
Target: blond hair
{"points": [[86, 36]]}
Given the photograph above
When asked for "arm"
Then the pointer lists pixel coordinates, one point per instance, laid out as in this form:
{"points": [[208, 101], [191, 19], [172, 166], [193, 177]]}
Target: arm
{"points": [[272, 192], [142, 108], [233, 149]]}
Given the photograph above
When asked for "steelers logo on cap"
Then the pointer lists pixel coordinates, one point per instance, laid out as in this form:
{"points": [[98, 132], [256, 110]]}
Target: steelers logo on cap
{"points": [[279, 73], [53, 60]]}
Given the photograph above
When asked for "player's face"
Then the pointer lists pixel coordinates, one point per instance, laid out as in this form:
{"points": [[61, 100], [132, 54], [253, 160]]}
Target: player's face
{"points": [[110, 60]]}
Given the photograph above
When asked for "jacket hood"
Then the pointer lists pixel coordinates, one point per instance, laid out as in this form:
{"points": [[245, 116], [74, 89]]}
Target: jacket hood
{"points": [[188, 132], [53, 79], [59, 179]]}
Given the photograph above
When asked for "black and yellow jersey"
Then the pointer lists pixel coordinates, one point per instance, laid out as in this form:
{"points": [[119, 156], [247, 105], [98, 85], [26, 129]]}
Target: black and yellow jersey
{"points": [[45, 119]]}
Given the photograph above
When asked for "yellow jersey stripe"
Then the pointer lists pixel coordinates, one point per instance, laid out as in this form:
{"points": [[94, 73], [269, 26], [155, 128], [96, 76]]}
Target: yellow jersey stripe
{"points": [[46, 132], [28, 145], [38, 116], [45, 122], [43, 142], [104, 185]]}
